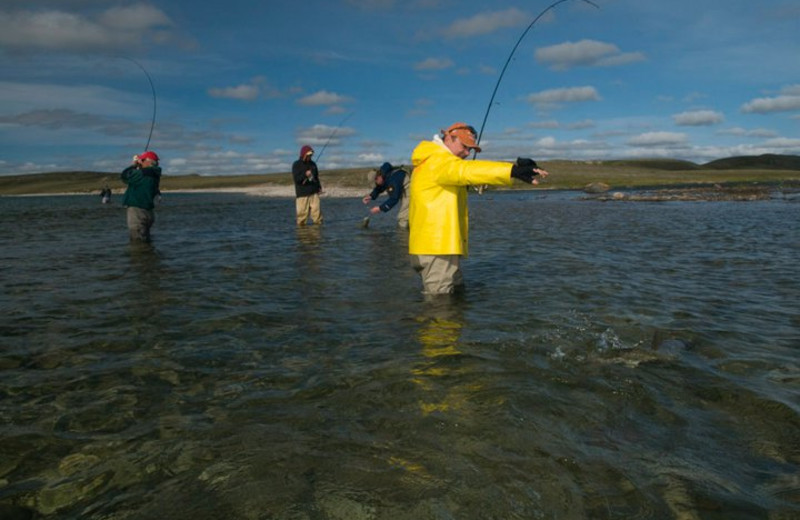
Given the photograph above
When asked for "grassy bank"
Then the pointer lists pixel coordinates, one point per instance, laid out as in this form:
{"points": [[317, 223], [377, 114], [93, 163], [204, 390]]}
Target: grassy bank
{"points": [[571, 175]]}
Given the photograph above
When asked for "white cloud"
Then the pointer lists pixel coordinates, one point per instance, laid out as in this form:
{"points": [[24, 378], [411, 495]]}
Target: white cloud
{"points": [[659, 139], [741, 132], [698, 118], [323, 97], [138, 17], [791, 90], [772, 104], [323, 134], [115, 28], [554, 97], [370, 158], [20, 97], [485, 23], [784, 143], [581, 125], [587, 53], [241, 92], [258, 87], [434, 64]]}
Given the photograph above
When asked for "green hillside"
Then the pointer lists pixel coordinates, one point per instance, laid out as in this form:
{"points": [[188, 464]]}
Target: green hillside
{"points": [[575, 175]]}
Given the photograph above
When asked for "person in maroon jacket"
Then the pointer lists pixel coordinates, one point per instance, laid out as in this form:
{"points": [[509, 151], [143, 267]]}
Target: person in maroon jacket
{"points": [[307, 187]]}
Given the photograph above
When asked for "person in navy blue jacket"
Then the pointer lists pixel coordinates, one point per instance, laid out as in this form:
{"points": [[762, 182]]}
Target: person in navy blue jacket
{"points": [[393, 181]]}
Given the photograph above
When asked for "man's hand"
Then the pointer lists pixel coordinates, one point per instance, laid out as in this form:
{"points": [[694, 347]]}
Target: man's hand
{"points": [[527, 170]]}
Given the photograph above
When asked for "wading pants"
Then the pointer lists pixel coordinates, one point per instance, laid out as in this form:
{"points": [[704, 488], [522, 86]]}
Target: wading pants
{"points": [[441, 274], [139, 223], [308, 206]]}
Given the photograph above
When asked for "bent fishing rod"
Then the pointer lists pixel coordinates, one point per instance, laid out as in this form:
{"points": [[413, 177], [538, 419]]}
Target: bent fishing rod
{"points": [[153, 90], [505, 66]]}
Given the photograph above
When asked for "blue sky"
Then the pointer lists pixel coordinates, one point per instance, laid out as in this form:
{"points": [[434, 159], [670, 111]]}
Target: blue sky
{"points": [[242, 85]]}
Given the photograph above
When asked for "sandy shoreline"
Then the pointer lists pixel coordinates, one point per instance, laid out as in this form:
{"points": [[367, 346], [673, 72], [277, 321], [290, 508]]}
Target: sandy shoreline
{"points": [[662, 194], [279, 191], [257, 191]]}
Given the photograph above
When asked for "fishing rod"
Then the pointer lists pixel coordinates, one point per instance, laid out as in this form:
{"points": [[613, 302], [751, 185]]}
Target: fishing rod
{"points": [[153, 90], [332, 135], [508, 61]]}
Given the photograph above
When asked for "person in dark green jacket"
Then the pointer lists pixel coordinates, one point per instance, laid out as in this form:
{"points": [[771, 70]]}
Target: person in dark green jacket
{"points": [[143, 179]]}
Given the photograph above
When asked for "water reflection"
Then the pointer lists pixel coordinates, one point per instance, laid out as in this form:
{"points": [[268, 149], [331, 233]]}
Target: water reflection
{"points": [[439, 331]]}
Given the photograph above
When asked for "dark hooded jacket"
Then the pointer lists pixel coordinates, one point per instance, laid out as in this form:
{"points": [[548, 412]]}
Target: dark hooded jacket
{"points": [[143, 186], [393, 185], [303, 185]]}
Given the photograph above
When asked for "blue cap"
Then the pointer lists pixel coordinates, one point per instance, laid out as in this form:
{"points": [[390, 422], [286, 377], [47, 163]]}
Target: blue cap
{"points": [[386, 169]]}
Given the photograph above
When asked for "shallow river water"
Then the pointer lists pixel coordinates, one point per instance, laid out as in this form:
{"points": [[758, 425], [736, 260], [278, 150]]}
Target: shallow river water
{"points": [[608, 360]]}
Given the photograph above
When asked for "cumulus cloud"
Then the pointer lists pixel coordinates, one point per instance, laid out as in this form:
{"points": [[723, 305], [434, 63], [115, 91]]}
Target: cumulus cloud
{"points": [[138, 17], [741, 132], [485, 23], [698, 118], [117, 27], [323, 97], [57, 119], [581, 125], [555, 97], [784, 143], [791, 90], [587, 53], [320, 135], [782, 103], [370, 158], [659, 139], [258, 87], [242, 92], [434, 64]]}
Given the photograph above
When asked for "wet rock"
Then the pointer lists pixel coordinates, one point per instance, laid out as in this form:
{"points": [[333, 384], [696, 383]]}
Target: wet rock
{"points": [[218, 474], [69, 492], [77, 463], [596, 187], [338, 507]]}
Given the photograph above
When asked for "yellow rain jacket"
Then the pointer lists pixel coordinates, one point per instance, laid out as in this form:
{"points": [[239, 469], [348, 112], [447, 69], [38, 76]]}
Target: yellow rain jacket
{"points": [[438, 218]]}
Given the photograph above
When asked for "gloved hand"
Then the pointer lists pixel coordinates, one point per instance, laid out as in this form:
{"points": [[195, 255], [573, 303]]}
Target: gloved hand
{"points": [[523, 169], [135, 159]]}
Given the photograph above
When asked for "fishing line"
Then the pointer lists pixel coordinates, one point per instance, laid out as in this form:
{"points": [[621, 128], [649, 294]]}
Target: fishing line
{"points": [[153, 90], [508, 60]]}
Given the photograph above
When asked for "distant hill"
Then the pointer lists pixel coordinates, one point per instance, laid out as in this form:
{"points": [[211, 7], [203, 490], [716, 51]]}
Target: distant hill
{"points": [[654, 164], [765, 169], [745, 162], [756, 162]]}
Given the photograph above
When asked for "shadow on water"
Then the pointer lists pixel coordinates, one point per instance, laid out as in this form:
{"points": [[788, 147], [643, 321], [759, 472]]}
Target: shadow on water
{"points": [[607, 361]]}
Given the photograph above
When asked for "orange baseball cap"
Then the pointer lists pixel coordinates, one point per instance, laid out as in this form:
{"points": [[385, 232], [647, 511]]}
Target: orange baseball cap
{"points": [[465, 133]]}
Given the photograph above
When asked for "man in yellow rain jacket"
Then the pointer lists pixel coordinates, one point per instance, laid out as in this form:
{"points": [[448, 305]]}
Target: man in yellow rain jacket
{"points": [[438, 217]]}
